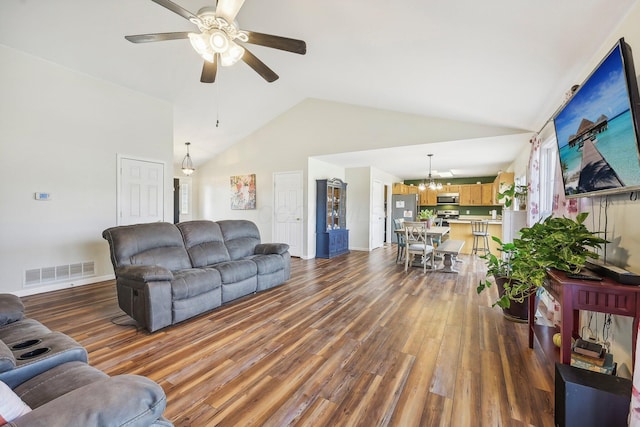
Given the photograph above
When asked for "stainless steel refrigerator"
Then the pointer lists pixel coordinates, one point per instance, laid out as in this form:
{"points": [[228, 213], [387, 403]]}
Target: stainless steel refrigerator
{"points": [[404, 206]]}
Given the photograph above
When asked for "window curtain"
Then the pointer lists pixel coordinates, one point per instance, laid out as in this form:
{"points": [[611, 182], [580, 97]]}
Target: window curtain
{"points": [[561, 205], [634, 410], [533, 181]]}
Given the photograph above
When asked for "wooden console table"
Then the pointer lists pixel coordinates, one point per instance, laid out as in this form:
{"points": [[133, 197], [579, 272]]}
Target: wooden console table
{"points": [[607, 296]]}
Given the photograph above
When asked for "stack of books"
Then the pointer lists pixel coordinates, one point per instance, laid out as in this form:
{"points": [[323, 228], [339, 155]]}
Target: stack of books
{"points": [[592, 356]]}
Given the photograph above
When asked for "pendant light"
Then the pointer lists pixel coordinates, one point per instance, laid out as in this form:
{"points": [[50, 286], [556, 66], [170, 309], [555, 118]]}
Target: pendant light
{"points": [[432, 184], [187, 164]]}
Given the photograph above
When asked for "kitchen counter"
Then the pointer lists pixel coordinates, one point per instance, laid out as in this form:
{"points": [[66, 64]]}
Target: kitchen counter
{"points": [[461, 220], [460, 229]]}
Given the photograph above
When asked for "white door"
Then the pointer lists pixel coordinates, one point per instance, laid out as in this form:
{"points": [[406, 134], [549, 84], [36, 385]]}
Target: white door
{"points": [[140, 191], [288, 205], [377, 215]]}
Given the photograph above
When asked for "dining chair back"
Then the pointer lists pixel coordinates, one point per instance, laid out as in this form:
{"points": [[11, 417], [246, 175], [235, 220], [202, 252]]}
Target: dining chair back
{"points": [[419, 243], [397, 225], [437, 240]]}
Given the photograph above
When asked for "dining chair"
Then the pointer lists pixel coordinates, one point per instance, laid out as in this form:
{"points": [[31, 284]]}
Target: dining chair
{"points": [[437, 239], [480, 232], [418, 243], [397, 225]]}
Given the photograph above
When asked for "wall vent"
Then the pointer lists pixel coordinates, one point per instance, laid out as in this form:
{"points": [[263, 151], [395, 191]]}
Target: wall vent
{"points": [[59, 273]]}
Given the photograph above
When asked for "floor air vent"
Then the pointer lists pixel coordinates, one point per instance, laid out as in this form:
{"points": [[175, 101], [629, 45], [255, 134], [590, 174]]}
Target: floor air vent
{"points": [[59, 273]]}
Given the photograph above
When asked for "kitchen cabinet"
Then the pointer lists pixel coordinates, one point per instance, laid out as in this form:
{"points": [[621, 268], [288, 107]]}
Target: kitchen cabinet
{"points": [[400, 188], [332, 236], [465, 195], [412, 189], [471, 194], [502, 181], [450, 188], [486, 194], [428, 197]]}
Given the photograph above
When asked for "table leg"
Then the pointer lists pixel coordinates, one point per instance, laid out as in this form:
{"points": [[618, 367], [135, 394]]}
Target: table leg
{"points": [[448, 264]]}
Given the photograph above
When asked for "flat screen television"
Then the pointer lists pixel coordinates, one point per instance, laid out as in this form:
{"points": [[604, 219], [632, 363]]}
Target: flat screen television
{"points": [[597, 130]]}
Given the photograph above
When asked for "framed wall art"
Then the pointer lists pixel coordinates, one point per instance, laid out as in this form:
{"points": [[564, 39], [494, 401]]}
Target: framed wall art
{"points": [[243, 192]]}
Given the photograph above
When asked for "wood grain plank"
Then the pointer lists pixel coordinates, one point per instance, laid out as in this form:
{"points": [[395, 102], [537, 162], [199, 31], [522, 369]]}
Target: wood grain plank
{"points": [[349, 341]]}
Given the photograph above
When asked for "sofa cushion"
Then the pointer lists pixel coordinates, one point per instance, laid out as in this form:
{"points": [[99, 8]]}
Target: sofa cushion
{"points": [[7, 359], [271, 248], [58, 381], [240, 237], [79, 395], [11, 309], [157, 243], [268, 263], [204, 242], [11, 406], [193, 282], [236, 271]]}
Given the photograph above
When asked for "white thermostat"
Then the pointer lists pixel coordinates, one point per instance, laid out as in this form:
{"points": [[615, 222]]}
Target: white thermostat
{"points": [[42, 196]]}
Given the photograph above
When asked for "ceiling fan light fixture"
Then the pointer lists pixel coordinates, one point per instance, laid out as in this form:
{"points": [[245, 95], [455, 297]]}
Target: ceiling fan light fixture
{"points": [[232, 55], [219, 41], [200, 44]]}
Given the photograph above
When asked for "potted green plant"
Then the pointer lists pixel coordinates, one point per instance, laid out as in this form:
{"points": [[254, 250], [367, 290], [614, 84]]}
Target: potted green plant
{"points": [[427, 215], [502, 268], [514, 192], [557, 242]]}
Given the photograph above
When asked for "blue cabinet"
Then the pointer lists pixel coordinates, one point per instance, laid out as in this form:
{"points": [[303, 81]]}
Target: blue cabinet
{"points": [[332, 236]]}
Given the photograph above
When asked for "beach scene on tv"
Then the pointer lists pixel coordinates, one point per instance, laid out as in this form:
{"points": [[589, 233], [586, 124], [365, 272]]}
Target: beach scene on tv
{"points": [[596, 134]]}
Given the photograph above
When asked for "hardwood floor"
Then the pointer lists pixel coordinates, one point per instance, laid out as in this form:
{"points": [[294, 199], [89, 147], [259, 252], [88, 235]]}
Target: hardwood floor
{"points": [[352, 341]]}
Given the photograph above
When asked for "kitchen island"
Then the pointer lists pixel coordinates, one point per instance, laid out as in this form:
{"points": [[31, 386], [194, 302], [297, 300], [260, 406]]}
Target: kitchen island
{"points": [[460, 229]]}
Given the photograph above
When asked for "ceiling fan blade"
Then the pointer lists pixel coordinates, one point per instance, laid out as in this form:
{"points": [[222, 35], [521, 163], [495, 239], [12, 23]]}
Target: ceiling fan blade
{"points": [[277, 42], [259, 67], [209, 70], [228, 9], [176, 9], [157, 37]]}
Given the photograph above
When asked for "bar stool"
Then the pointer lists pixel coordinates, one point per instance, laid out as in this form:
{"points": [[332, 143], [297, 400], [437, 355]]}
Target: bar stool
{"points": [[480, 232]]}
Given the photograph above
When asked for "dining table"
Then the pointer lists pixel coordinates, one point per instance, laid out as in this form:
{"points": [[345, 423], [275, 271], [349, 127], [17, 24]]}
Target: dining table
{"points": [[433, 232]]}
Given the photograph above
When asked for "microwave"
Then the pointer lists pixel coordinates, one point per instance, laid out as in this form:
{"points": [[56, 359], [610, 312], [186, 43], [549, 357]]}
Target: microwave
{"points": [[448, 199]]}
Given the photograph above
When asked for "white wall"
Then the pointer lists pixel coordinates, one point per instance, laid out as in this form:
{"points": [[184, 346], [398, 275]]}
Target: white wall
{"points": [[312, 128], [617, 215], [61, 133], [359, 207]]}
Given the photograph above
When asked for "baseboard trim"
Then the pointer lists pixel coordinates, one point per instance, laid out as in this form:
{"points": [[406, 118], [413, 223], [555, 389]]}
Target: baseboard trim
{"points": [[63, 285]]}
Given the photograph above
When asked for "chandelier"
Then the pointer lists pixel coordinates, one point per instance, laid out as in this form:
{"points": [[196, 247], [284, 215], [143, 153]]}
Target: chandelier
{"points": [[431, 184], [187, 164]]}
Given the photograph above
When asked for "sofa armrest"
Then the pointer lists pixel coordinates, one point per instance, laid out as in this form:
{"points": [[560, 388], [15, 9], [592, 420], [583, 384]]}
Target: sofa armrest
{"points": [[270, 248], [145, 273], [11, 309], [129, 400]]}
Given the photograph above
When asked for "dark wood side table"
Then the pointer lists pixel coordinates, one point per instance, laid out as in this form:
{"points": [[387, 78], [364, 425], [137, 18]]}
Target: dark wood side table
{"points": [[607, 296]]}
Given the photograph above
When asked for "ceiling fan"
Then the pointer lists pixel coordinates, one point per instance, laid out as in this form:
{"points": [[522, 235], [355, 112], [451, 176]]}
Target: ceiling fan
{"points": [[220, 41]]}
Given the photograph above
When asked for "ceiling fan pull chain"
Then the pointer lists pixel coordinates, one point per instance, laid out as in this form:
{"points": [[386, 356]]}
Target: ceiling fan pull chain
{"points": [[218, 106]]}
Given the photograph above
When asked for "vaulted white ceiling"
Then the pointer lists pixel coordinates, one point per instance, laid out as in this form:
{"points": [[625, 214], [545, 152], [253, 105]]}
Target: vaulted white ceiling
{"points": [[496, 62]]}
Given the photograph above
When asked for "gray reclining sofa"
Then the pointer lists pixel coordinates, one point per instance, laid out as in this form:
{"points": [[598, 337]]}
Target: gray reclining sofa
{"points": [[168, 273], [48, 371]]}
